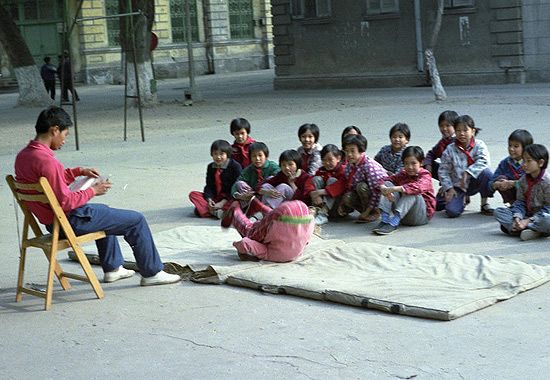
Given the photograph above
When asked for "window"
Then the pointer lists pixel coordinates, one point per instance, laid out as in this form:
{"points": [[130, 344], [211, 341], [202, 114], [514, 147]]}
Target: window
{"points": [[241, 22], [113, 24], [33, 10], [459, 3], [179, 20], [311, 8], [380, 7]]}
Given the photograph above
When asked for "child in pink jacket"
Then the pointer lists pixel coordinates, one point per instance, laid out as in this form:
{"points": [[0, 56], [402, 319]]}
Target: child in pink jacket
{"points": [[280, 236]]}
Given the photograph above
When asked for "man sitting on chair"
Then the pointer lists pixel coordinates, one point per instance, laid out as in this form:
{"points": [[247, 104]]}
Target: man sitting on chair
{"points": [[37, 160]]}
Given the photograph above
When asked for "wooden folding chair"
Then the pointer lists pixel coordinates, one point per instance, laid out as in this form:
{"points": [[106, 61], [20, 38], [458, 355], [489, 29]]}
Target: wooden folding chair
{"points": [[50, 243]]}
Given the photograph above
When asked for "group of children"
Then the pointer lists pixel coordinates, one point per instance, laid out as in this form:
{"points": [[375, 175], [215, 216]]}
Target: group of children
{"points": [[267, 202]]}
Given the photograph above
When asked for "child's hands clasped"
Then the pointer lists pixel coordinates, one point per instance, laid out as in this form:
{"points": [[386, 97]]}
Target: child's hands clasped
{"points": [[504, 185], [243, 196], [519, 224]]}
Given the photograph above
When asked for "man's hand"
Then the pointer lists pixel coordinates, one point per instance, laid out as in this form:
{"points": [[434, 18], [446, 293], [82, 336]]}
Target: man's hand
{"points": [[102, 187], [89, 172]]}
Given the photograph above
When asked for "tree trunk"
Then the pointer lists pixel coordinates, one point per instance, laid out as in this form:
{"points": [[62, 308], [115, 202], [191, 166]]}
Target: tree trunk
{"points": [[31, 87], [143, 26], [429, 55]]}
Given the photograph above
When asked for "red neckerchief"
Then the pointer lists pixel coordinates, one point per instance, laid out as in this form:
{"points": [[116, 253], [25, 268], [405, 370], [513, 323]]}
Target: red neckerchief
{"points": [[516, 172], [260, 175], [305, 160], [218, 181], [467, 150], [531, 182], [354, 170]]}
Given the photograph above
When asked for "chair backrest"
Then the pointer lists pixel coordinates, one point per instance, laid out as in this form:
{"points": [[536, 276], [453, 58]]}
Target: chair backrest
{"points": [[40, 191]]}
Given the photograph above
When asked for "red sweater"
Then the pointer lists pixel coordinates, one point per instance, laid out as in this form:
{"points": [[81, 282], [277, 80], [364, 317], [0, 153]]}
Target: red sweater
{"points": [[37, 160], [337, 188], [240, 152], [303, 183], [420, 184]]}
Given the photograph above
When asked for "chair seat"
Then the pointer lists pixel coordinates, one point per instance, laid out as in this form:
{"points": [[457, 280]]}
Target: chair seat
{"points": [[45, 241]]}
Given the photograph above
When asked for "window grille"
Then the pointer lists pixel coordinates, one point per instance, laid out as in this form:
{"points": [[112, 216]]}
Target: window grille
{"points": [[241, 22], [179, 20]]}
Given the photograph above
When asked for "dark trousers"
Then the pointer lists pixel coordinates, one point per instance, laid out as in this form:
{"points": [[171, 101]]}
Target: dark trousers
{"points": [[65, 87], [50, 87], [117, 222]]}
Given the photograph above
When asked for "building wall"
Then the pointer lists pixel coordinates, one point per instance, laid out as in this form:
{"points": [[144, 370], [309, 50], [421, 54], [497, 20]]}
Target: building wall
{"points": [[480, 44], [536, 38], [215, 52]]}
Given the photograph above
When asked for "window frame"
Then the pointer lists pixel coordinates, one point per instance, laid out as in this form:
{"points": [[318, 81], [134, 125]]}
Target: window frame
{"points": [[299, 9], [450, 4], [384, 11]]}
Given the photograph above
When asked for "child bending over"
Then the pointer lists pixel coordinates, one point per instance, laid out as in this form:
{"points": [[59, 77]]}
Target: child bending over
{"points": [[529, 216], [363, 176], [291, 183], [240, 129], [390, 155], [510, 169], [255, 174], [330, 184], [464, 170], [221, 174], [280, 236], [310, 151], [408, 196]]}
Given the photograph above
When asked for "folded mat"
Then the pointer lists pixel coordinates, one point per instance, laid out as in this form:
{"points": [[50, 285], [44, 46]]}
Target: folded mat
{"points": [[408, 281]]}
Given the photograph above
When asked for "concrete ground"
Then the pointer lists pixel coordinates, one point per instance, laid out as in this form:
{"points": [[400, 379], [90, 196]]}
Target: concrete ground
{"points": [[192, 331]]}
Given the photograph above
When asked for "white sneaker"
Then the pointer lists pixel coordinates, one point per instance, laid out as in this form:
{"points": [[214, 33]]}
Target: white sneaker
{"points": [[528, 234], [118, 274], [321, 219], [160, 278]]}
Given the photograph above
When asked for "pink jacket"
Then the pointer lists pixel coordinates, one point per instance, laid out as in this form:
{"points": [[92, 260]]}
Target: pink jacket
{"points": [[283, 235]]}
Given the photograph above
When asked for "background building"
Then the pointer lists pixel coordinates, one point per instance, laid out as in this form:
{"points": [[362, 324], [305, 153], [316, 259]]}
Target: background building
{"points": [[228, 35], [352, 43]]}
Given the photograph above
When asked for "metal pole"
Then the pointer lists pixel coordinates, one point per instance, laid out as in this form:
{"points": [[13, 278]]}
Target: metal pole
{"points": [[192, 93], [138, 92], [67, 45]]}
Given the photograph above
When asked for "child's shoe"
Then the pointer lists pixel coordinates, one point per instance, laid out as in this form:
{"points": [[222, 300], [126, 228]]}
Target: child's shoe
{"points": [[486, 209], [321, 216], [528, 234], [385, 229], [380, 225]]}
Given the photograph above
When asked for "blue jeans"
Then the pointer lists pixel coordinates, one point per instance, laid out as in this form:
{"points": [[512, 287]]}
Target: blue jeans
{"points": [[116, 222], [480, 185]]}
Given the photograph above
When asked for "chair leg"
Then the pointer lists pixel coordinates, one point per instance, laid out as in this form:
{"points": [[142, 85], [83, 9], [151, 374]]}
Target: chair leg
{"points": [[51, 272], [87, 268], [59, 274], [20, 275]]}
